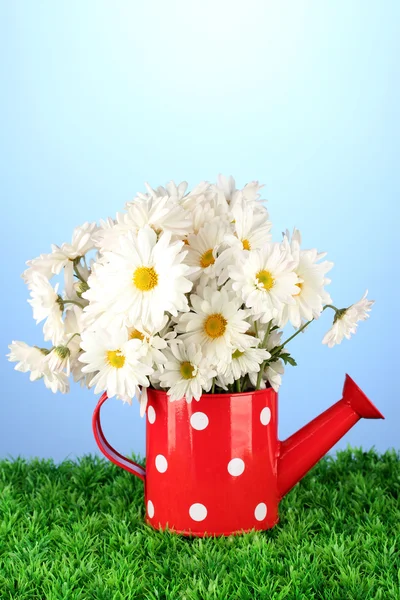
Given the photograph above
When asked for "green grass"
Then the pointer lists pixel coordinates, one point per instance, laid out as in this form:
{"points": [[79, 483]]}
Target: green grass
{"points": [[76, 532]]}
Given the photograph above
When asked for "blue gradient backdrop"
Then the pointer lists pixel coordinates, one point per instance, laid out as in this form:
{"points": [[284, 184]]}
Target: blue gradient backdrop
{"points": [[99, 97]]}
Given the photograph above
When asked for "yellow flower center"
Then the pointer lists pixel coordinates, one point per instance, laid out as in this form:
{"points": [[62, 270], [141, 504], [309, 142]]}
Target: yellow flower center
{"points": [[145, 278], [300, 286], [215, 325], [246, 245], [136, 335], [266, 279], [186, 242], [187, 370], [207, 259], [237, 354], [115, 358]]}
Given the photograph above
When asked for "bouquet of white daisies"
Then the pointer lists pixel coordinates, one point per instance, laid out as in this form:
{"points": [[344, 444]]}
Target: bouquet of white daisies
{"points": [[184, 292]]}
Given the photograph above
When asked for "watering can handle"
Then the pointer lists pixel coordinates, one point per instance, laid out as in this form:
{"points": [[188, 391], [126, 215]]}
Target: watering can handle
{"points": [[108, 450]]}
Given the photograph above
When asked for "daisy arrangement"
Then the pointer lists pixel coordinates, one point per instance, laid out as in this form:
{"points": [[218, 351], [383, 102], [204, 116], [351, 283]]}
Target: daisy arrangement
{"points": [[184, 291]]}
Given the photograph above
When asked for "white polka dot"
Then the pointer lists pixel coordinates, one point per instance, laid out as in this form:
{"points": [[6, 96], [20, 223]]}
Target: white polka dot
{"points": [[236, 466], [261, 511], [150, 509], [265, 415], [198, 512], [151, 414], [199, 420], [161, 463]]}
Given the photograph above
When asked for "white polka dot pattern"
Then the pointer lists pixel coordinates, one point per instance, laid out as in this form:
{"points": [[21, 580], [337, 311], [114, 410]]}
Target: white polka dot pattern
{"points": [[261, 511], [265, 415], [151, 414], [150, 509], [199, 420], [198, 512], [236, 466], [161, 463]]}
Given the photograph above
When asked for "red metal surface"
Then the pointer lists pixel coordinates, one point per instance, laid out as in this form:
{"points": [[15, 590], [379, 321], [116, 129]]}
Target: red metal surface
{"points": [[216, 467]]}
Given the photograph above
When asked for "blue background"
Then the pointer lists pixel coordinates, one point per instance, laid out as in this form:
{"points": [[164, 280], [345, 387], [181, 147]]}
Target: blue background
{"points": [[99, 97]]}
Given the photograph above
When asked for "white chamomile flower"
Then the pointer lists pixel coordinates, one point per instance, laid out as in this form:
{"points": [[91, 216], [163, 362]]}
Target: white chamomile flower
{"points": [[152, 342], [203, 213], [187, 372], [143, 399], [117, 361], [311, 295], [62, 257], [47, 304], [29, 358], [226, 190], [140, 282], [217, 323], [241, 363], [266, 280], [59, 358], [346, 319], [171, 190], [274, 371], [161, 214], [251, 228], [110, 231], [249, 231], [203, 248], [33, 360]]}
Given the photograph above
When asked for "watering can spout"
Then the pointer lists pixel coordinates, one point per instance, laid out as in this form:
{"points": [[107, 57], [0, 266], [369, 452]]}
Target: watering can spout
{"points": [[302, 450]]}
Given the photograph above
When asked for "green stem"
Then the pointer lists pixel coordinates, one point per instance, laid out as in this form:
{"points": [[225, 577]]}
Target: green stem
{"points": [[71, 338], [237, 383], [330, 306], [279, 348], [73, 302], [259, 377], [79, 276], [256, 328], [213, 386], [264, 343]]}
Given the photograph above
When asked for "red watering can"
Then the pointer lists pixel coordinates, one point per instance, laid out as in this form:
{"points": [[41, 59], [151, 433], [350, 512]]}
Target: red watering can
{"points": [[216, 467]]}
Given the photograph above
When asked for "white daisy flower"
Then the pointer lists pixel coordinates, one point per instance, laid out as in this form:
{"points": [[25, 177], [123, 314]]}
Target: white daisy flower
{"points": [[204, 212], [217, 323], [226, 191], [251, 228], [29, 358], [161, 214], [187, 372], [273, 374], [47, 304], [33, 360], [62, 257], [250, 231], [143, 399], [59, 358], [226, 186], [345, 321], [311, 295], [242, 363], [65, 354], [110, 231], [203, 248], [171, 190], [274, 371], [152, 342], [206, 283], [140, 282], [266, 280], [116, 361]]}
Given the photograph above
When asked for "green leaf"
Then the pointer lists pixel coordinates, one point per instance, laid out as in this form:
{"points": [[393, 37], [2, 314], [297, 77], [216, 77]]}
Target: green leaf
{"points": [[287, 359]]}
